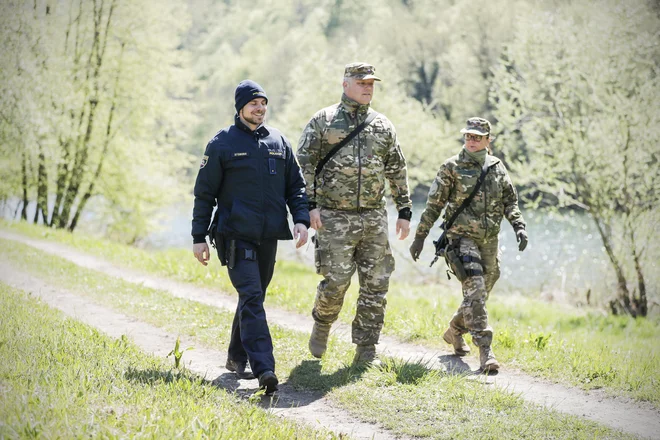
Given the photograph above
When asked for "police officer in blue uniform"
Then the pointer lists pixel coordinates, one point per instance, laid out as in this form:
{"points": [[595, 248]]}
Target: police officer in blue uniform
{"points": [[250, 173]]}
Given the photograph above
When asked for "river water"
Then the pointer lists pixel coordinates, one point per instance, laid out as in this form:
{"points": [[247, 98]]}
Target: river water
{"points": [[565, 256]]}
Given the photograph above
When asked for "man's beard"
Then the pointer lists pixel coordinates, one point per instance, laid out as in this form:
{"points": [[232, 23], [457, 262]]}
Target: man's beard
{"points": [[253, 119]]}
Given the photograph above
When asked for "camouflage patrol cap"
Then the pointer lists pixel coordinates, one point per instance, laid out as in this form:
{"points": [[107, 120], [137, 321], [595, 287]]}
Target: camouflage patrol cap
{"points": [[360, 71], [477, 126]]}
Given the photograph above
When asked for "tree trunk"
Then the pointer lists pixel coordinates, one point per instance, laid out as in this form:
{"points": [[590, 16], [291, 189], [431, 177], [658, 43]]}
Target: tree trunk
{"points": [[42, 186], [25, 186], [424, 84], [106, 145], [78, 170], [61, 185], [95, 62], [623, 294], [65, 165], [640, 302]]}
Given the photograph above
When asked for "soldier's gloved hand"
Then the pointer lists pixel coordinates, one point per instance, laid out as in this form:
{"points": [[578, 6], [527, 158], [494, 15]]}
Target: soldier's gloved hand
{"points": [[416, 248], [521, 236]]}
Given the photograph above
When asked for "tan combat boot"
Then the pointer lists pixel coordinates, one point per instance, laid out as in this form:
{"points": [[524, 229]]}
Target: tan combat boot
{"points": [[487, 360], [460, 346], [365, 355], [318, 340]]}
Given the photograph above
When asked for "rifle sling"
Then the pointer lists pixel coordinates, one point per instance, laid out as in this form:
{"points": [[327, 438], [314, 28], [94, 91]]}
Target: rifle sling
{"points": [[319, 166], [466, 202]]}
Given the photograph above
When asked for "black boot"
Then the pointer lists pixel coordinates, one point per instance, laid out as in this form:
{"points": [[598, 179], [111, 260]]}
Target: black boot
{"points": [[268, 381]]}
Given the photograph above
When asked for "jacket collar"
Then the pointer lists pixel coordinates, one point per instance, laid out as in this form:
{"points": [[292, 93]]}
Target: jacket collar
{"points": [[463, 157], [353, 107], [260, 131]]}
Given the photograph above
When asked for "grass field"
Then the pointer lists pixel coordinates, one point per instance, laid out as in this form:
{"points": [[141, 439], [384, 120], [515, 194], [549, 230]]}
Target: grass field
{"points": [[582, 347], [63, 379], [405, 397]]}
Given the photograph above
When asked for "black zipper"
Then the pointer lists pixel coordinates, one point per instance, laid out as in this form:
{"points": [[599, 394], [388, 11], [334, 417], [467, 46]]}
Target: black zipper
{"points": [[260, 171]]}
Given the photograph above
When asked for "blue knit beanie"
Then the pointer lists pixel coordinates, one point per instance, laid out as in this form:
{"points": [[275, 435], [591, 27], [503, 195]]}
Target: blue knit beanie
{"points": [[246, 91]]}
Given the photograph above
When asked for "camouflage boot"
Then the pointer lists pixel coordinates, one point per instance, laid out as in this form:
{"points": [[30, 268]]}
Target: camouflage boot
{"points": [[318, 340], [460, 346], [366, 355], [487, 360]]}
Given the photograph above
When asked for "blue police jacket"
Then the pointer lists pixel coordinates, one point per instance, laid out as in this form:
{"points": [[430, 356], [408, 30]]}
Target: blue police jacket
{"points": [[252, 176]]}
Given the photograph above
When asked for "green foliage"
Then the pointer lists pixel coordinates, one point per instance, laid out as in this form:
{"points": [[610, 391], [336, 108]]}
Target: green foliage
{"points": [[177, 353], [576, 98], [407, 398], [124, 392], [453, 407], [318, 38], [557, 342], [540, 341], [165, 63], [93, 110], [572, 93]]}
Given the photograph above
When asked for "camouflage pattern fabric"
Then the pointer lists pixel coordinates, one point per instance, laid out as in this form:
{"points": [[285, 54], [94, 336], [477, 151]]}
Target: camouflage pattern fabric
{"points": [[477, 126], [350, 240], [356, 175], [360, 71], [497, 198], [472, 315]]}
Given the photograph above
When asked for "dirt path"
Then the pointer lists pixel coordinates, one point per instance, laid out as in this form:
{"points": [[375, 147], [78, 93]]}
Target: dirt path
{"points": [[620, 413], [305, 407]]}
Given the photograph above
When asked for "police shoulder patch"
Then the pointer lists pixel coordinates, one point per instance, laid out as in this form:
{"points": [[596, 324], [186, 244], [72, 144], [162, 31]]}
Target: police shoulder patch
{"points": [[205, 160]]}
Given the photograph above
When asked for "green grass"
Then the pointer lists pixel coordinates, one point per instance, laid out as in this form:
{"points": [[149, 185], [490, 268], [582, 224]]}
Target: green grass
{"points": [[408, 398], [451, 407], [63, 379], [582, 347], [592, 351]]}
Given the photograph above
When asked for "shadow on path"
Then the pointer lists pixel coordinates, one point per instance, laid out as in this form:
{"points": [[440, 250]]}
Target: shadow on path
{"points": [[455, 365]]}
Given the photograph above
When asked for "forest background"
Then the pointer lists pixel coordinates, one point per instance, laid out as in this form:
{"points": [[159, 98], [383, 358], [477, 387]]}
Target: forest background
{"points": [[106, 105]]}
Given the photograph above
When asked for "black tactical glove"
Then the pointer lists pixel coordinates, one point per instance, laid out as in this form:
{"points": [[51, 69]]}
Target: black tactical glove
{"points": [[416, 248], [521, 236]]}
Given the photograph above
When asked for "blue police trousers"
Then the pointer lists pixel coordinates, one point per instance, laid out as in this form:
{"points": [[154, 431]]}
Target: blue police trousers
{"points": [[250, 336]]}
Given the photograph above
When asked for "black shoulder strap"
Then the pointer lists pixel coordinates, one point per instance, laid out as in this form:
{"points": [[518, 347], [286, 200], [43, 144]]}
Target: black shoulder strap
{"points": [[319, 166], [466, 202]]}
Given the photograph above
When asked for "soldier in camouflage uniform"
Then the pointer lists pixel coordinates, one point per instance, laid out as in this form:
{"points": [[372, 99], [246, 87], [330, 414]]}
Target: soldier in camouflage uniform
{"points": [[347, 209], [474, 232]]}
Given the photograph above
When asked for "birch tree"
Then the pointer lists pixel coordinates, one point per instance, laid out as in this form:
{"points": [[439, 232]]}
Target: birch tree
{"points": [[576, 95], [97, 99]]}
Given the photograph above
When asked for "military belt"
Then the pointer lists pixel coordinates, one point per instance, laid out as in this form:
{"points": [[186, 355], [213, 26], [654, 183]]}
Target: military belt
{"points": [[359, 210]]}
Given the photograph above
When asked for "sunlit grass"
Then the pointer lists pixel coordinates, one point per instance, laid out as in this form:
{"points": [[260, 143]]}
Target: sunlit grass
{"points": [[402, 396], [63, 379], [583, 347], [447, 408]]}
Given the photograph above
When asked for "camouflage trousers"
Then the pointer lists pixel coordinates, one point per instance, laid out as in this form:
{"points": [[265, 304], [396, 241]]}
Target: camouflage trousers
{"points": [[348, 241], [472, 315]]}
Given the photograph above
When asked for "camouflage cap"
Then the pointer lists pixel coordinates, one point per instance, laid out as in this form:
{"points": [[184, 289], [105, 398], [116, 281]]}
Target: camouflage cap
{"points": [[477, 126], [360, 71]]}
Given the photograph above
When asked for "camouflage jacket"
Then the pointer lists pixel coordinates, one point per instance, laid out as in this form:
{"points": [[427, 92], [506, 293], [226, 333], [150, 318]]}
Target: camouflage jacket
{"points": [[481, 219], [355, 176]]}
